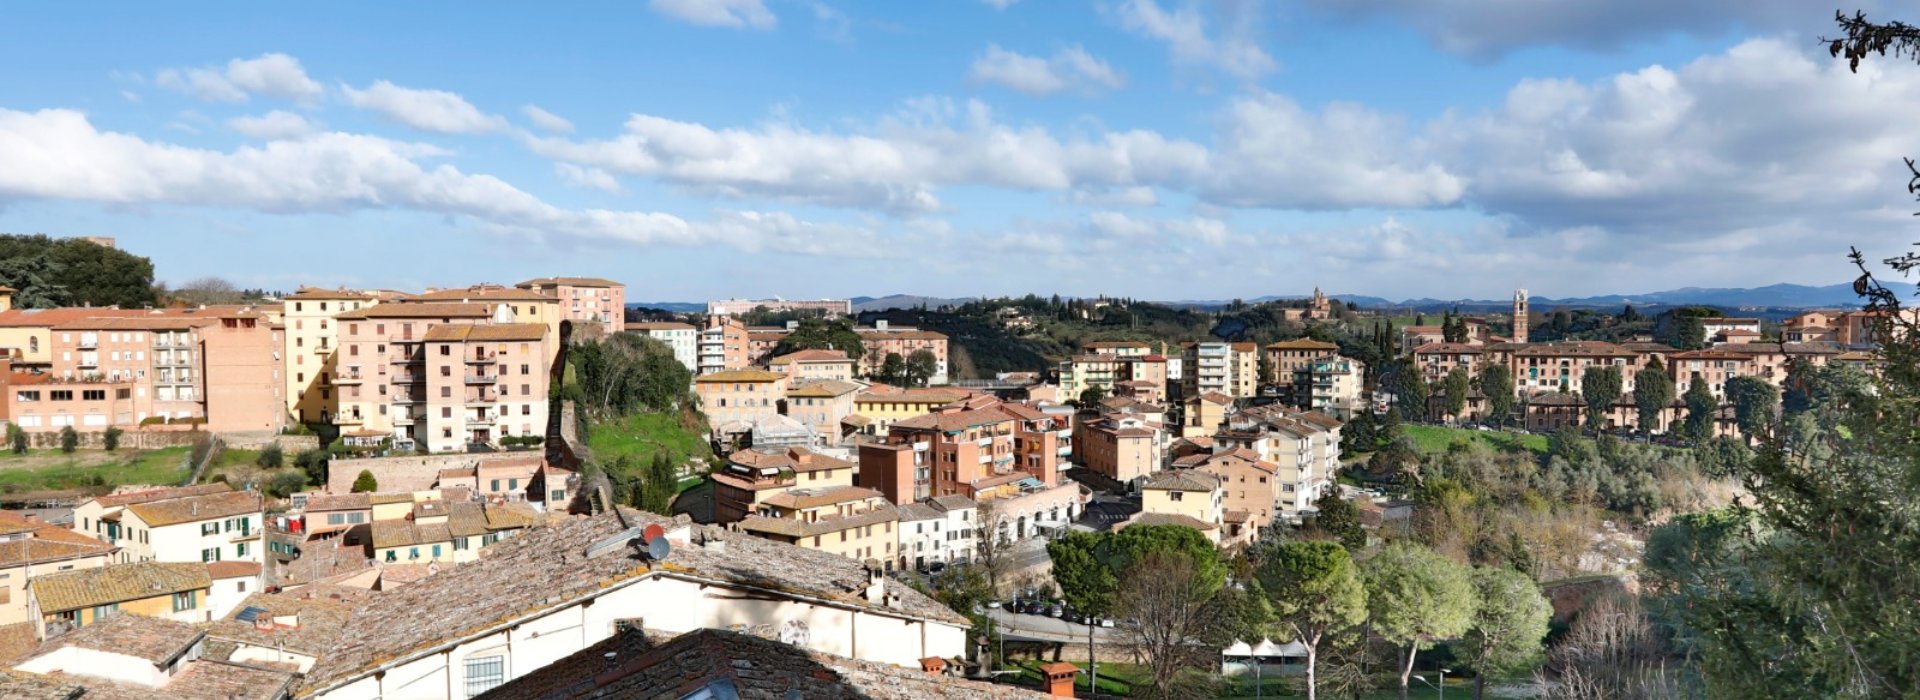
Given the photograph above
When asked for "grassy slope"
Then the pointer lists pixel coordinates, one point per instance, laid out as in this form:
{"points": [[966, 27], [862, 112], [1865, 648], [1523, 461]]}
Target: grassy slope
{"points": [[639, 436], [1434, 438], [49, 469]]}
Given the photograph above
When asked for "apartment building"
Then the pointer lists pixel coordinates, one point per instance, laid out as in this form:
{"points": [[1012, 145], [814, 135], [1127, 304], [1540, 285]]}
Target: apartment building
{"points": [[215, 365], [518, 305], [880, 406], [1712, 367], [1562, 366], [1250, 489], [722, 345], [200, 524], [1089, 371], [586, 300], [883, 339], [1436, 360], [756, 474], [1125, 449], [26, 335], [1117, 348], [1229, 368], [735, 399], [814, 364], [825, 307], [1183, 497], [683, 338], [483, 383], [762, 341], [1303, 445], [938, 530], [824, 405], [849, 521], [1333, 386], [1289, 357], [965, 448], [381, 370], [310, 339]]}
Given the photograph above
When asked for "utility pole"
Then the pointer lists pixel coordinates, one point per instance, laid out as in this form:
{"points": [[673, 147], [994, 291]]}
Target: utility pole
{"points": [[1093, 662]]}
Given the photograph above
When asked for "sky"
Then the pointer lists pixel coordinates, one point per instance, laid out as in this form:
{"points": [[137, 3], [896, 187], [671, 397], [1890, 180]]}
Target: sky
{"points": [[1158, 149]]}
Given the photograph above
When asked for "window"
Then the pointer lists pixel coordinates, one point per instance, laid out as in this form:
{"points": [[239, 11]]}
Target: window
{"points": [[459, 543], [209, 529], [436, 551], [391, 556], [240, 550], [1174, 495], [485, 673], [210, 555], [184, 601], [61, 394]]}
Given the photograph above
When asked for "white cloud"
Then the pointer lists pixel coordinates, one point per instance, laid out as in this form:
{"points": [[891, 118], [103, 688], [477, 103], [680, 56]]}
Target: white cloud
{"points": [[1234, 49], [589, 178], [59, 155], [1069, 68], [736, 14], [546, 120], [271, 74], [437, 111], [1487, 28], [1272, 153], [1000, 4], [276, 124]]}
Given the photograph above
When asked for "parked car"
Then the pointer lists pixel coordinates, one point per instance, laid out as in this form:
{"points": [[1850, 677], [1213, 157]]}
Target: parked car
{"points": [[1106, 622], [993, 604], [1056, 610]]}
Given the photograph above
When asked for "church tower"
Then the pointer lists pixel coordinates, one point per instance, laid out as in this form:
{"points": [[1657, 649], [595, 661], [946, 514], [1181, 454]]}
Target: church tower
{"points": [[1520, 315]]}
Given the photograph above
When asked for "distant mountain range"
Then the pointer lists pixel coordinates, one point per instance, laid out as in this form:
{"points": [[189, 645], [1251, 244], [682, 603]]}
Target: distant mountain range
{"points": [[1770, 296]]}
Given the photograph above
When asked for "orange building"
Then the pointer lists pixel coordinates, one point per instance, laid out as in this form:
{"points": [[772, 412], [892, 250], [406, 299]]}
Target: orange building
{"points": [[602, 302], [965, 448]]}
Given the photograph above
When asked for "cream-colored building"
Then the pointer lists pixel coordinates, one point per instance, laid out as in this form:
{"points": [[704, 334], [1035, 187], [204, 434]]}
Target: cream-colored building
{"points": [[1304, 445], [1334, 386], [850, 521], [683, 338], [879, 407], [29, 548], [1229, 368], [519, 305], [754, 475], [1184, 494], [824, 405], [312, 337], [209, 528], [733, 399], [814, 364]]}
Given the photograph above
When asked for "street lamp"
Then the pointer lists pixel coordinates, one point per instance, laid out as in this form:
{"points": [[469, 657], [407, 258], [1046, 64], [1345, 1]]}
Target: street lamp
{"points": [[1442, 687]]}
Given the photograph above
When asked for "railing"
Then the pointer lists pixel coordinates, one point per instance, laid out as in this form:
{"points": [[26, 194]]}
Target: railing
{"points": [[481, 379], [488, 358], [402, 420], [346, 378], [408, 379], [409, 360]]}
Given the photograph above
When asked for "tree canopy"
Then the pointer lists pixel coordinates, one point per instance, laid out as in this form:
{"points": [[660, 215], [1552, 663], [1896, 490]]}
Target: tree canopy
{"points": [[1416, 597], [73, 272], [823, 334], [1315, 590]]}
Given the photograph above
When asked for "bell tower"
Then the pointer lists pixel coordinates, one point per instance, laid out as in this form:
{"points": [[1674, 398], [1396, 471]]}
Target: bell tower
{"points": [[1520, 315]]}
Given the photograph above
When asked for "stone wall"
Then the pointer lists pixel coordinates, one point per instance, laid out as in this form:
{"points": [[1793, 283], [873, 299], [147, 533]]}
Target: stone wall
{"points": [[291, 444], [129, 440], [410, 473]]}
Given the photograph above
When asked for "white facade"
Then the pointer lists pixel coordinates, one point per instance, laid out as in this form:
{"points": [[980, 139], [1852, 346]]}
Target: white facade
{"points": [[947, 537], [685, 343], [231, 538], [670, 603], [227, 593]]}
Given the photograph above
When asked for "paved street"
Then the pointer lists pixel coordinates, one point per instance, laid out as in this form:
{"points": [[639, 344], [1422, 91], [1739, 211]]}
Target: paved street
{"points": [[1050, 628]]}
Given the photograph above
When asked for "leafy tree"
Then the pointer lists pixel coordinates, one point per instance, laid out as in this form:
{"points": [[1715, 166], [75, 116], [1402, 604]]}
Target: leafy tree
{"points": [[1689, 332], [1169, 598], [625, 373], [1091, 396], [1702, 410], [72, 271], [921, 366], [1415, 598], [1316, 591], [1454, 387], [1087, 581], [1496, 381], [823, 334], [1629, 315], [69, 439], [271, 456], [1600, 386], [1412, 400], [285, 483], [314, 463], [1341, 519], [16, 439], [1755, 405], [1509, 622], [1652, 393], [111, 438], [365, 483], [893, 369]]}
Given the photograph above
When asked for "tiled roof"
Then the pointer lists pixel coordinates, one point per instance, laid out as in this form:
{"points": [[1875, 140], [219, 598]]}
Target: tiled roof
{"points": [[1573, 348], [32, 318], [1182, 480], [319, 293], [739, 375], [404, 533], [801, 499], [319, 610], [493, 294], [809, 355], [485, 332], [152, 639], [1240, 455], [130, 497], [337, 501], [1302, 344], [629, 665], [232, 569], [825, 388], [884, 393], [196, 508], [427, 311], [1448, 349], [952, 502], [1101, 344], [85, 588], [869, 334], [570, 282], [799, 459], [15, 641], [545, 566], [660, 326], [208, 678], [920, 511], [1172, 519], [1216, 397], [792, 527]]}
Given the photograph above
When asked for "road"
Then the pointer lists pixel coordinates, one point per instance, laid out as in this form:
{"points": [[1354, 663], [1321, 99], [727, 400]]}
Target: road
{"points": [[1050, 629]]}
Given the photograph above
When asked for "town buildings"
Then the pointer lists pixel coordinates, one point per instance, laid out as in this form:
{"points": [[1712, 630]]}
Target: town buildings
{"points": [[753, 475], [1333, 385], [938, 531], [682, 338], [814, 364], [30, 548], [601, 303], [824, 307], [964, 448], [734, 399], [849, 521], [1229, 368], [1303, 445], [311, 336], [176, 591], [722, 345]]}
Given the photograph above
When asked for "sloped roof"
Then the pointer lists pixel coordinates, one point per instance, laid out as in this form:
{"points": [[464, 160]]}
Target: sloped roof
{"points": [[570, 282], [1182, 480], [1172, 519], [153, 639], [813, 498], [429, 310], [85, 588], [321, 610], [485, 332], [490, 294], [809, 355], [214, 506], [130, 497], [739, 375], [793, 527], [1302, 344]]}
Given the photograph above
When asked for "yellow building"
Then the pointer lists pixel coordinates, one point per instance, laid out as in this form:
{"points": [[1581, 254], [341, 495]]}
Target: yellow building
{"points": [[449, 533], [732, 399], [172, 590], [881, 409], [849, 521], [312, 336]]}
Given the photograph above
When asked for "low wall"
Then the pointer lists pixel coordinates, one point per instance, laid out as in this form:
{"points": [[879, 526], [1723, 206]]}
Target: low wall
{"points": [[291, 444], [129, 440], [412, 473]]}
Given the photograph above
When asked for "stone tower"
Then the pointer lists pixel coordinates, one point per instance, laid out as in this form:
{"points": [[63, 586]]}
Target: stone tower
{"points": [[1520, 315]]}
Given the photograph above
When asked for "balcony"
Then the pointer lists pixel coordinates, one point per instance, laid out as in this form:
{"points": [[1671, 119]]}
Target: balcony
{"points": [[1065, 432], [921, 446], [403, 420], [481, 379], [1065, 450], [404, 338], [403, 399], [985, 441], [478, 422], [243, 535], [88, 362], [353, 378], [483, 397], [409, 360], [486, 359], [408, 379], [89, 343], [324, 350]]}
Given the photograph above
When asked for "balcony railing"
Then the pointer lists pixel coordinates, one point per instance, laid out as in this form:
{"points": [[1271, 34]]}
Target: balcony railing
{"points": [[409, 360], [486, 359], [347, 378], [481, 379], [480, 421], [408, 379], [86, 344], [403, 420]]}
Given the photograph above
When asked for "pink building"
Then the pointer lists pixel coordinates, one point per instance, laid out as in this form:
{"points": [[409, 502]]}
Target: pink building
{"points": [[586, 300]]}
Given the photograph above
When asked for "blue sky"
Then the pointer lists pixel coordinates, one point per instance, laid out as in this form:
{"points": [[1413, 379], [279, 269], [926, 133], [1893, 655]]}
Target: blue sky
{"points": [[1168, 149]]}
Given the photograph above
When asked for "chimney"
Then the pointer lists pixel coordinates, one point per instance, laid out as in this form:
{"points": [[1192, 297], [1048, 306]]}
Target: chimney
{"points": [[1059, 678], [876, 583]]}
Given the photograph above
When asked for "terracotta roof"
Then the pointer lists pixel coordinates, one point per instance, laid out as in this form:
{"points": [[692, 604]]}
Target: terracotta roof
{"points": [[35, 550], [15, 641], [884, 393], [1182, 480], [570, 282], [130, 497], [1240, 455], [232, 569], [485, 332], [1216, 397], [426, 311], [403, 533], [320, 611], [794, 527], [1099, 344], [323, 294], [338, 501], [809, 355], [629, 665], [825, 388], [1448, 349], [799, 459], [30, 318], [209, 678], [20, 685], [85, 588], [739, 375], [801, 499], [1302, 344], [489, 294], [953, 502], [1171, 519], [1573, 348], [137, 323], [875, 334], [174, 511], [153, 639], [544, 567]]}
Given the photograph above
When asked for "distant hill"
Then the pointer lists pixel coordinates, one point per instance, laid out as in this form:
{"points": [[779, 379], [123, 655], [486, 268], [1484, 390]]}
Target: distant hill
{"points": [[905, 301], [678, 307]]}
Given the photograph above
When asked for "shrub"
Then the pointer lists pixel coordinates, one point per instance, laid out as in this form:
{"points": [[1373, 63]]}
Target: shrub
{"points": [[285, 483], [16, 439], [69, 439], [271, 457], [112, 439], [314, 463], [365, 483]]}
